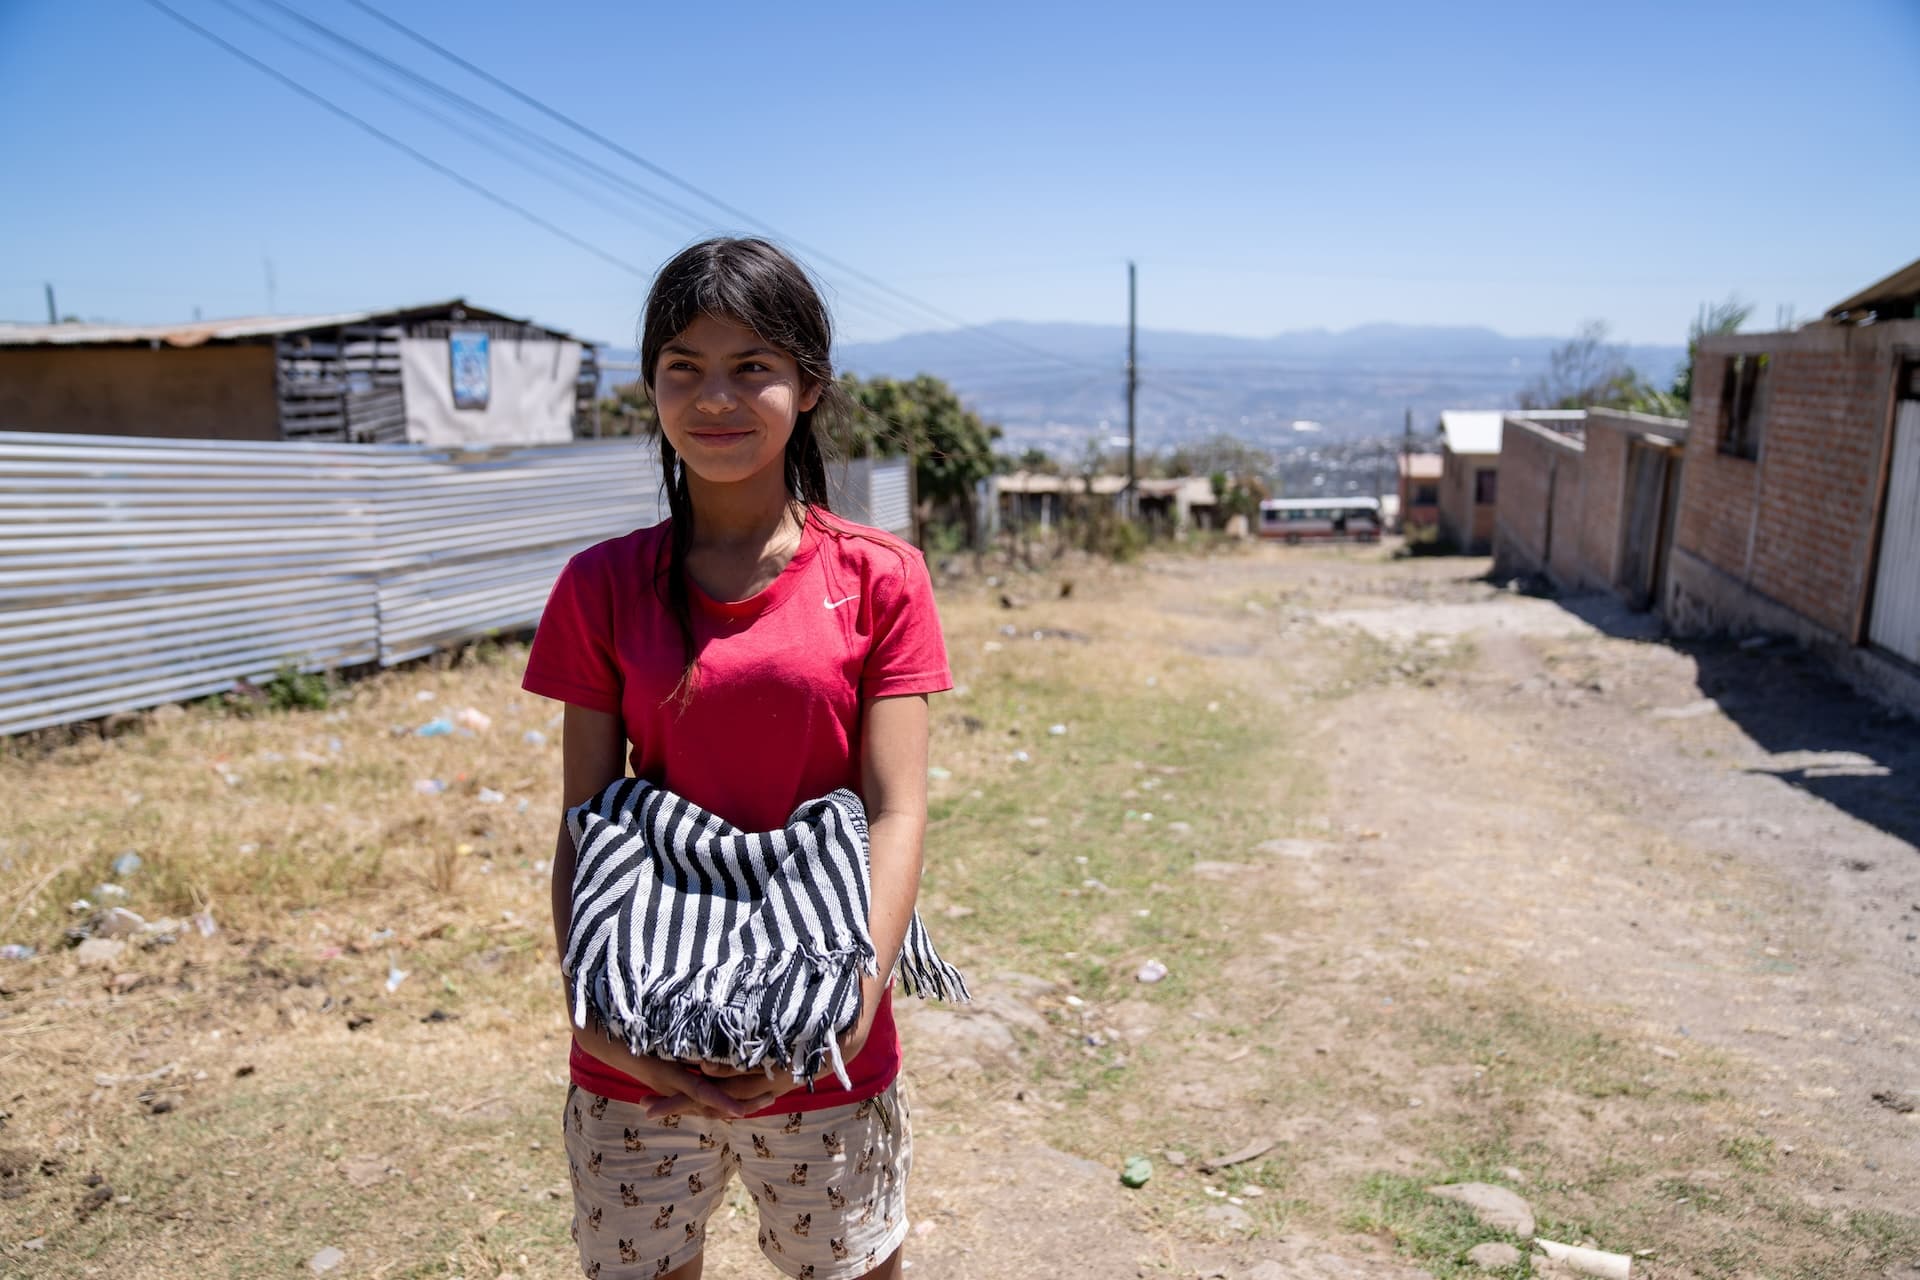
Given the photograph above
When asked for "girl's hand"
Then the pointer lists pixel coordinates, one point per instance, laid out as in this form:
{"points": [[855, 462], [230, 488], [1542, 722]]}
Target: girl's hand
{"points": [[742, 1094], [683, 1091]]}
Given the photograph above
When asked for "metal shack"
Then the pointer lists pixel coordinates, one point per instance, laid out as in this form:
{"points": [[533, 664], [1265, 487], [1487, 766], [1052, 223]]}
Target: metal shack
{"points": [[446, 373]]}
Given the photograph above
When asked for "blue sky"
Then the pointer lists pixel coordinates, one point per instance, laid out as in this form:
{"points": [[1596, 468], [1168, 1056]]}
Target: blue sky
{"points": [[1270, 166]]}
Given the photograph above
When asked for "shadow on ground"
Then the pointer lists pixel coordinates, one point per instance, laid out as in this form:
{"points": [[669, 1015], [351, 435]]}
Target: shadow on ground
{"points": [[1854, 753], [1826, 739]]}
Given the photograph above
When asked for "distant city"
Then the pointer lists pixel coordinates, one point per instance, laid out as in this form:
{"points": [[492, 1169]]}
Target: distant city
{"points": [[1057, 386], [1328, 409]]}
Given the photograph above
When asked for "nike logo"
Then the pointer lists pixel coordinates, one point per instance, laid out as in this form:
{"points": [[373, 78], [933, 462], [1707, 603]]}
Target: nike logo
{"points": [[835, 604]]}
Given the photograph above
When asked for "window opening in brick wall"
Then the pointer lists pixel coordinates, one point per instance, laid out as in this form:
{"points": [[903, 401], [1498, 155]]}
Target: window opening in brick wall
{"points": [[1426, 495], [1743, 405], [1485, 487]]}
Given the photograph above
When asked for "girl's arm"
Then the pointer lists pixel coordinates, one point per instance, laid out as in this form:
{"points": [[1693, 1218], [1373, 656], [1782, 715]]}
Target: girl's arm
{"points": [[893, 771], [594, 751]]}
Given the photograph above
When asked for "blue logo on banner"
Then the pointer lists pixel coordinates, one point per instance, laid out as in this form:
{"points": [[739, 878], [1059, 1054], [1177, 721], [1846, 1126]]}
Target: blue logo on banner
{"points": [[472, 370]]}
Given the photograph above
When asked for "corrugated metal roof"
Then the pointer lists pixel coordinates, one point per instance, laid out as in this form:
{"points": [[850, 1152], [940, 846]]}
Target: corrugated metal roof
{"points": [[1899, 290], [1197, 491], [1039, 482], [1472, 430], [234, 329]]}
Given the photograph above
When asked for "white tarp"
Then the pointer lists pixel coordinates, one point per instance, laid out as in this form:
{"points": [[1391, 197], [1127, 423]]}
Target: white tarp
{"points": [[530, 393]]}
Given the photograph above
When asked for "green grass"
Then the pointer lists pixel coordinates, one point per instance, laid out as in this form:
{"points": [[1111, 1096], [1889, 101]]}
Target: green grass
{"points": [[1436, 1233]]}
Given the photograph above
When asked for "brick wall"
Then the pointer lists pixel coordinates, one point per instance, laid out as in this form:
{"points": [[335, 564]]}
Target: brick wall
{"points": [[1468, 524], [1796, 524], [1537, 465], [1606, 484]]}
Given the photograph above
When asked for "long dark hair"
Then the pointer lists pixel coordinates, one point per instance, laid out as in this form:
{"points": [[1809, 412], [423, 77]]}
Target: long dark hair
{"points": [[753, 283]]}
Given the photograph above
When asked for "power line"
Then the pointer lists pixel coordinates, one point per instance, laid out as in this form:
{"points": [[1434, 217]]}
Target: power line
{"points": [[527, 138], [660, 171], [524, 137], [538, 143], [521, 133], [485, 192]]}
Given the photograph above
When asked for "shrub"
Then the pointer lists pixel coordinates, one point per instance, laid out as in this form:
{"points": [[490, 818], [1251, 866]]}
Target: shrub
{"points": [[292, 689]]}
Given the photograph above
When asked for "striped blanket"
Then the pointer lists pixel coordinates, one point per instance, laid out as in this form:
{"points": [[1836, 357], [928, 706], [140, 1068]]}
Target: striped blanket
{"points": [[692, 939]]}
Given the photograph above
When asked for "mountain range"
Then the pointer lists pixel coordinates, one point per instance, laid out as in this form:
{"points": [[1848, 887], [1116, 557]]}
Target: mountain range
{"points": [[1057, 386]]}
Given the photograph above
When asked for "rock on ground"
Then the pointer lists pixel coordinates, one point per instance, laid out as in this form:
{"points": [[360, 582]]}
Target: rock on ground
{"points": [[1497, 1207], [99, 953], [1228, 1216], [958, 1043], [1493, 1256]]}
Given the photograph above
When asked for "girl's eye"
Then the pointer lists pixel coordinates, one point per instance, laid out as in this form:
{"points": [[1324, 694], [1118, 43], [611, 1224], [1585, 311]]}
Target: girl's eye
{"points": [[753, 366]]}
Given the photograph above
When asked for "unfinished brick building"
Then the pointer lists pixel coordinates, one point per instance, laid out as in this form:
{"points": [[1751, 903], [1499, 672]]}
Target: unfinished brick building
{"points": [[1588, 499], [1800, 506]]}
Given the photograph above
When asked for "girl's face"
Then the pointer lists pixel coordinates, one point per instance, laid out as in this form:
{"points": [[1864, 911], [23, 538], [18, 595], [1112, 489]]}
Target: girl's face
{"points": [[727, 400]]}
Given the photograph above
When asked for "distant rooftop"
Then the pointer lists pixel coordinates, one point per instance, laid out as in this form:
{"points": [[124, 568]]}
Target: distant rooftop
{"points": [[1895, 298], [241, 328], [1472, 430], [1196, 490]]}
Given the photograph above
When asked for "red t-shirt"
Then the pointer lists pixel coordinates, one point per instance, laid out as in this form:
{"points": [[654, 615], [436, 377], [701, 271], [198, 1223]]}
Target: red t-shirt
{"points": [[775, 717]]}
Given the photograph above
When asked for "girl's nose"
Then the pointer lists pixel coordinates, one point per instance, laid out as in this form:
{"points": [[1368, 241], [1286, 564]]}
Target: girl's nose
{"points": [[714, 396]]}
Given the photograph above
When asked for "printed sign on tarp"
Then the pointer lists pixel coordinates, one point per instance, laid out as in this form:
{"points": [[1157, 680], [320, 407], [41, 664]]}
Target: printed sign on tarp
{"points": [[472, 369]]}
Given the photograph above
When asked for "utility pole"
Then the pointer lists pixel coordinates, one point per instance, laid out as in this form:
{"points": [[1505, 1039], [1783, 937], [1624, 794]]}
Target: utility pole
{"points": [[53, 315], [1133, 383]]}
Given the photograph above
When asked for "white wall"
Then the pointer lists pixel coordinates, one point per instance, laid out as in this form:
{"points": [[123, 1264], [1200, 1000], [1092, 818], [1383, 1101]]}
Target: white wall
{"points": [[531, 401]]}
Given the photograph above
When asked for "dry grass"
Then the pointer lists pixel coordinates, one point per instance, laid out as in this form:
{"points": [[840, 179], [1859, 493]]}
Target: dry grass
{"points": [[424, 1146]]}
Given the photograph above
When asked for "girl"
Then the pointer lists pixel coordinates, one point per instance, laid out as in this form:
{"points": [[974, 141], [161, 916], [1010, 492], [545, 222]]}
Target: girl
{"points": [[750, 653]]}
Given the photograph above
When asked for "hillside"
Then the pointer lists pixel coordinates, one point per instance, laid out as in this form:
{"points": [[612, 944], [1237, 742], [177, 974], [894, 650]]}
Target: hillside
{"points": [[1054, 384]]}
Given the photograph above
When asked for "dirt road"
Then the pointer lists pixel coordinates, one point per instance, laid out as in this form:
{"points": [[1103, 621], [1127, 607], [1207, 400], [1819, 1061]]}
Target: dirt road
{"points": [[1451, 885], [1682, 881]]}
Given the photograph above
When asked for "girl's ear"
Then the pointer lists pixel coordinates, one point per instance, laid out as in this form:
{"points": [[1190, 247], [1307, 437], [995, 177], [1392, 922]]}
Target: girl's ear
{"points": [[811, 396]]}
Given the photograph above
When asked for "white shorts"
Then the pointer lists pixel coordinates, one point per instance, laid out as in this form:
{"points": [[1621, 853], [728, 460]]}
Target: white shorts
{"points": [[831, 1185]]}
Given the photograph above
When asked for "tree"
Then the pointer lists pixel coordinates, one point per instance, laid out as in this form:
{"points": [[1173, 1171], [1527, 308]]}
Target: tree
{"points": [[1219, 452], [952, 449], [1585, 372], [627, 412], [1715, 320], [1035, 461]]}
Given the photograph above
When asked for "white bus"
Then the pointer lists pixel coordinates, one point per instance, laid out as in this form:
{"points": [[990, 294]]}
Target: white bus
{"points": [[1320, 519]]}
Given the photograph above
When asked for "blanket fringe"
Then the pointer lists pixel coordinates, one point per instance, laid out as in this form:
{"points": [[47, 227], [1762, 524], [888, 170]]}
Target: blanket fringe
{"points": [[745, 1017]]}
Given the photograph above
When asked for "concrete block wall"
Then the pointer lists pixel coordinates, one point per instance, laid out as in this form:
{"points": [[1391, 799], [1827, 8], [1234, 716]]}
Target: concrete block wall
{"points": [[1794, 526]]}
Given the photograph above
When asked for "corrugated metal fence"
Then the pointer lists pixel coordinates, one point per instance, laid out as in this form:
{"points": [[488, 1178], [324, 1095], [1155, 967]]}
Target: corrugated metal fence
{"points": [[140, 571]]}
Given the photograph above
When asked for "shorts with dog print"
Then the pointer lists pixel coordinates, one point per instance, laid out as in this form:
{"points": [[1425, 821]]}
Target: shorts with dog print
{"points": [[831, 1185]]}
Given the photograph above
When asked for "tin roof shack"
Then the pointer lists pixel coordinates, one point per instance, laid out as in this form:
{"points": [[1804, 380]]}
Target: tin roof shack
{"points": [[1034, 498], [442, 374], [1178, 503], [1469, 477], [1800, 513], [1420, 490], [1587, 498]]}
